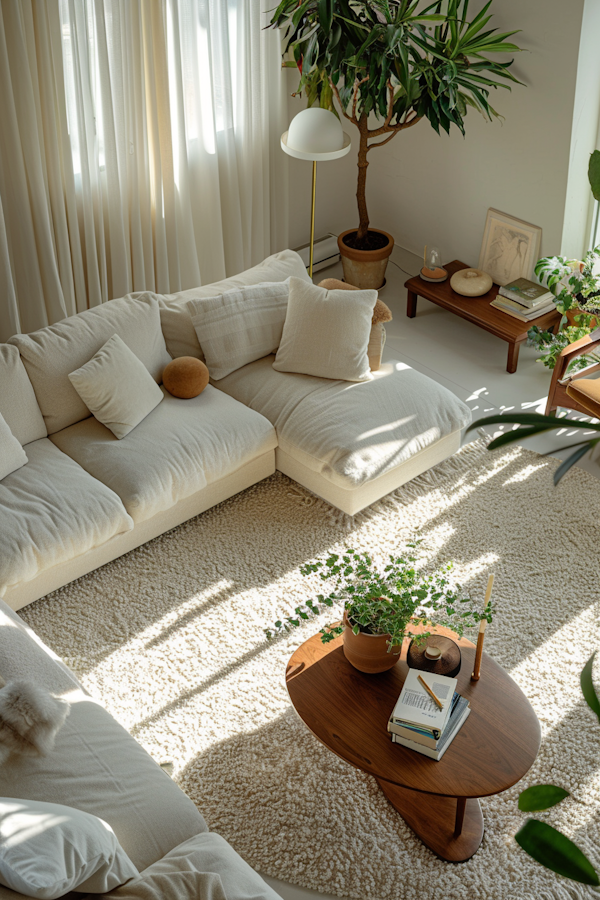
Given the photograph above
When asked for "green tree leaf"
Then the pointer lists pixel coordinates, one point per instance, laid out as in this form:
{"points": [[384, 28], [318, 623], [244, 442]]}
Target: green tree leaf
{"points": [[594, 173], [556, 852], [541, 796], [587, 686]]}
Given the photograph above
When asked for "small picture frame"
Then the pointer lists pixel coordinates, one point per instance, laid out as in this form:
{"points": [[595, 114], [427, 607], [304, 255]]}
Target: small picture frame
{"points": [[510, 247]]}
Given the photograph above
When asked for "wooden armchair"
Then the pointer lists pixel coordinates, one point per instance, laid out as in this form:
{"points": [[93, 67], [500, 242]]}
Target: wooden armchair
{"points": [[576, 391]]}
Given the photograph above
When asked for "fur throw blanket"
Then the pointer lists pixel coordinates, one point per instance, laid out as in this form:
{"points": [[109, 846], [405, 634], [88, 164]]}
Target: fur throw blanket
{"points": [[30, 718]]}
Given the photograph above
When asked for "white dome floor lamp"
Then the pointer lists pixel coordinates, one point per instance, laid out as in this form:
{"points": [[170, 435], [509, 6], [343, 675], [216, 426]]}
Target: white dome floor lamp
{"points": [[315, 134]]}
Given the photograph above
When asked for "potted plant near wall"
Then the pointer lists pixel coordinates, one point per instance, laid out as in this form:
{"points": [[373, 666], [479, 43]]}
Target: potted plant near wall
{"points": [[389, 64], [381, 607]]}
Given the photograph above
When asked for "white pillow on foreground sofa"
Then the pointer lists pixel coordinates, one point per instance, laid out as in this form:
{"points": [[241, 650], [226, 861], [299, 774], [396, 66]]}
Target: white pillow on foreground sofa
{"points": [[47, 849], [203, 868]]}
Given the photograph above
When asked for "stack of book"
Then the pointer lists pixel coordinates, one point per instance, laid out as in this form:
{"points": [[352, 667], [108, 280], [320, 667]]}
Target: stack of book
{"points": [[417, 722], [524, 299]]}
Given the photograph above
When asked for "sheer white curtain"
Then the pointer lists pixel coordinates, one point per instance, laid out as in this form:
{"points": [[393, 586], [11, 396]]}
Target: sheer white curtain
{"points": [[152, 129]]}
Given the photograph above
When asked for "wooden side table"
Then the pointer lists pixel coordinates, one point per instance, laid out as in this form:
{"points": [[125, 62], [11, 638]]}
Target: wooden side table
{"points": [[478, 311], [348, 711]]}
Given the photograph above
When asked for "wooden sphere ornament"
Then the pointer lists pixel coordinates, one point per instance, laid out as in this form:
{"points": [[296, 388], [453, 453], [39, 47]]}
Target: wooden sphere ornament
{"points": [[471, 282], [185, 377], [438, 654]]}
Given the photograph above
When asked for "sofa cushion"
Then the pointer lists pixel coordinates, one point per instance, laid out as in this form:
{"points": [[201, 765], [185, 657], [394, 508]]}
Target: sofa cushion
{"points": [[17, 399], [206, 867], [350, 432], [175, 318], [50, 511], [326, 333], [12, 455], [96, 765], [52, 352], [178, 449], [47, 849], [239, 326], [116, 387]]}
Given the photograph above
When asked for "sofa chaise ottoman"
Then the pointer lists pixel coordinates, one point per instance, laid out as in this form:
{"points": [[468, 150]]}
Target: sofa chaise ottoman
{"points": [[85, 498]]}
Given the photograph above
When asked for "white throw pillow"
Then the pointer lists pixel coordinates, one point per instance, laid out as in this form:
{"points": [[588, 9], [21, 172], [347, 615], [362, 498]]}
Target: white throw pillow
{"points": [[116, 387], [47, 850], [240, 326], [326, 333], [12, 455], [205, 867]]}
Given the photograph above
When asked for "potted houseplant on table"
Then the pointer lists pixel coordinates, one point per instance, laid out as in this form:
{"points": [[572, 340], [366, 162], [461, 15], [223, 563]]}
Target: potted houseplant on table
{"points": [[576, 287], [381, 607], [396, 61]]}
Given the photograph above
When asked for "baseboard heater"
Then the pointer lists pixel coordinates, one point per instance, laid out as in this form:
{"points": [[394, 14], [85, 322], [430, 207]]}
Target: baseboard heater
{"points": [[325, 253]]}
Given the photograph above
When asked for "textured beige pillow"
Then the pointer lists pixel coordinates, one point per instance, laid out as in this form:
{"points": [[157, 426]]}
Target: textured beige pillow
{"points": [[239, 326], [12, 455], [116, 387], [326, 333]]}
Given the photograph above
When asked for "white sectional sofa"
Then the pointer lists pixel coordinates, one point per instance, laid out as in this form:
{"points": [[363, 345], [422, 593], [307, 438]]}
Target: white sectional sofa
{"points": [[85, 498], [97, 767]]}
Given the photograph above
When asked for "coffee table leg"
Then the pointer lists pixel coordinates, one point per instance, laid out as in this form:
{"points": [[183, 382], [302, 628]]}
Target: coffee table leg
{"points": [[513, 357], [411, 304], [461, 805], [452, 827]]}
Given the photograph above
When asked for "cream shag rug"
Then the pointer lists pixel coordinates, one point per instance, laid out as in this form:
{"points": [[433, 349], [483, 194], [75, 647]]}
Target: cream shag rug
{"points": [[170, 637]]}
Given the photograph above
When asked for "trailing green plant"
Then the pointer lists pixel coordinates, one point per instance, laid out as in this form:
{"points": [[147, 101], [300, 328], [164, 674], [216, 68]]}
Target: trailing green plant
{"points": [[551, 345], [390, 600], [545, 844], [575, 283], [397, 60]]}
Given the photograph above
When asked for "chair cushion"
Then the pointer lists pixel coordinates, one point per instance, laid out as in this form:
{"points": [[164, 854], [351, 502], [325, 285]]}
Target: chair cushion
{"points": [[116, 387], [350, 432], [12, 455], [178, 449], [51, 511], [587, 393], [174, 315], [52, 352], [326, 333], [96, 765], [204, 867], [17, 399]]}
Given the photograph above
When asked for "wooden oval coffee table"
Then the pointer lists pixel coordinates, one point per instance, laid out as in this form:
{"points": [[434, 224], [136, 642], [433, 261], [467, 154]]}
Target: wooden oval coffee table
{"points": [[348, 711]]}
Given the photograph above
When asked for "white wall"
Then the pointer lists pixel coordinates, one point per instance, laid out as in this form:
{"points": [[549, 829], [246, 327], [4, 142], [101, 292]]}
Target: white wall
{"points": [[430, 189]]}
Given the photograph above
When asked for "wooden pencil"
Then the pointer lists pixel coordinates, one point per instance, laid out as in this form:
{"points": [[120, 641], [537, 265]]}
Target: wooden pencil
{"points": [[430, 692]]}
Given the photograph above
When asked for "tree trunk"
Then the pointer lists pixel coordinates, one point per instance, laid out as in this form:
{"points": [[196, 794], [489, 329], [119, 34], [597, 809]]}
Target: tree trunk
{"points": [[361, 196]]}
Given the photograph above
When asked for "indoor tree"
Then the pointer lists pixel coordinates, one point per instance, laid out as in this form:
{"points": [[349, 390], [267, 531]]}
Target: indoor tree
{"points": [[396, 61]]}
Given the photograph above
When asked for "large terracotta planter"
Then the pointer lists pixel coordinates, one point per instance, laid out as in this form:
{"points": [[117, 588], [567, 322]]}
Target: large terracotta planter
{"points": [[365, 268], [369, 652]]}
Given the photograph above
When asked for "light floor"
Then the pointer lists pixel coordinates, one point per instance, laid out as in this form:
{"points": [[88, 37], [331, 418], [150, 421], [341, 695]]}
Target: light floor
{"points": [[472, 364]]}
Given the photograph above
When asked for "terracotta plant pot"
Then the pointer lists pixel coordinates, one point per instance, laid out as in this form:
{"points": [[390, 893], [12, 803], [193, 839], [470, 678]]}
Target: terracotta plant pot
{"points": [[365, 268], [369, 652], [571, 313]]}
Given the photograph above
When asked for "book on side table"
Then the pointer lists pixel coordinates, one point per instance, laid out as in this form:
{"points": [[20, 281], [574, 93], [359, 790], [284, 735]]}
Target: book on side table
{"points": [[418, 723]]}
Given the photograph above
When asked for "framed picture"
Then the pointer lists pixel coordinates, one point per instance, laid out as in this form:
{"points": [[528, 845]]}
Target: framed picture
{"points": [[510, 247]]}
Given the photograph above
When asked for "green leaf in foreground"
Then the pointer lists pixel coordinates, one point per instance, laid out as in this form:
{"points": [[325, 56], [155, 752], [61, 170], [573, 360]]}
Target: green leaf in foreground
{"points": [[587, 686], [556, 852], [541, 796]]}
